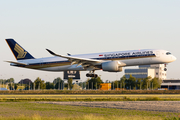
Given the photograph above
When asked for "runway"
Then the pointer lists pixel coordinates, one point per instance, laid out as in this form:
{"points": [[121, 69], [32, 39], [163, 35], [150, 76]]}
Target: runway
{"points": [[161, 106]]}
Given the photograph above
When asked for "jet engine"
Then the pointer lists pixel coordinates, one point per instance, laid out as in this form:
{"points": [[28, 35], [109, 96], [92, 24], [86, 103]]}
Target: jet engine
{"points": [[113, 66]]}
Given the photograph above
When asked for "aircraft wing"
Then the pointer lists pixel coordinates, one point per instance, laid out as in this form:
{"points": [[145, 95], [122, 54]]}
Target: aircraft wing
{"points": [[16, 63], [76, 60]]}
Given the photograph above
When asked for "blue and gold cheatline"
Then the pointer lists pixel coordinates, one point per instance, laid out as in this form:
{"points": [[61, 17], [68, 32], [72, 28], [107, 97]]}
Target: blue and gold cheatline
{"points": [[62, 63]]}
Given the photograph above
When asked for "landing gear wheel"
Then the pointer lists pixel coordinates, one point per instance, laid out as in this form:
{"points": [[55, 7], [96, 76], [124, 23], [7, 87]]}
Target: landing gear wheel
{"points": [[88, 75], [91, 75], [165, 69], [95, 75]]}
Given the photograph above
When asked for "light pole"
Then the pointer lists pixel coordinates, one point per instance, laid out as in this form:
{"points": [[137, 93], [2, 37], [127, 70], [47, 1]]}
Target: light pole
{"points": [[29, 85], [11, 85], [88, 85], [124, 86], [96, 85], [39, 86], [117, 85], [113, 85], [92, 86], [121, 86]]}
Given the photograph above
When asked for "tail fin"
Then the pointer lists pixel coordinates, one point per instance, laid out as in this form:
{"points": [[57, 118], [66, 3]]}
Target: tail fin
{"points": [[19, 52]]}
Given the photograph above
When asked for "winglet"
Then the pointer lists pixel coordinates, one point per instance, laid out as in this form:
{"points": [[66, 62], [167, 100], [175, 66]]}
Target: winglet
{"points": [[52, 53], [71, 58], [68, 54]]}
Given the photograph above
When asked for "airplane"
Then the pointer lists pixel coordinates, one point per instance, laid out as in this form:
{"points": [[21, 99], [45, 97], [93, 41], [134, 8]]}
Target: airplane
{"points": [[106, 61]]}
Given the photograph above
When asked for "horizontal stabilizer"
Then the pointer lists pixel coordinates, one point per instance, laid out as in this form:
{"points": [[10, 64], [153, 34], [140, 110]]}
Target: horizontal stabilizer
{"points": [[16, 63]]}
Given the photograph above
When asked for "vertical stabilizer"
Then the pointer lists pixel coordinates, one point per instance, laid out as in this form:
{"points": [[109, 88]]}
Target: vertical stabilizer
{"points": [[19, 52]]}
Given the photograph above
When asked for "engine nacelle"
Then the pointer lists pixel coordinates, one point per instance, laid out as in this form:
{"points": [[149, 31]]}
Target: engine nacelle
{"points": [[112, 66]]}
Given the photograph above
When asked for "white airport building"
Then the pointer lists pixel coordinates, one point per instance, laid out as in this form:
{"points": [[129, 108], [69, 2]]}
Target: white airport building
{"points": [[157, 71], [144, 71]]}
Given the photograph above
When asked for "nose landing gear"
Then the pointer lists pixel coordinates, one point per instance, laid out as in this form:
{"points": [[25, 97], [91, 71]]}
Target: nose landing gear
{"points": [[165, 69]]}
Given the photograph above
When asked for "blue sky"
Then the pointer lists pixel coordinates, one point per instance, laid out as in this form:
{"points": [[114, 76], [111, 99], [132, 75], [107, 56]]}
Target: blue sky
{"points": [[79, 26]]}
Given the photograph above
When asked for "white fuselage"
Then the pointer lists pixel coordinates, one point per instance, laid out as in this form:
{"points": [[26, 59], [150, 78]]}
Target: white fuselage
{"points": [[130, 58]]}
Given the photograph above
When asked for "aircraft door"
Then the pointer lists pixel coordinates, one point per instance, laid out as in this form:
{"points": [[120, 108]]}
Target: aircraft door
{"points": [[41, 63], [157, 54]]}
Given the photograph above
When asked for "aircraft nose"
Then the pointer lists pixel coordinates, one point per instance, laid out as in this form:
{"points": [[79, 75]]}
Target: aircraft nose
{"points": [[174, 58]]}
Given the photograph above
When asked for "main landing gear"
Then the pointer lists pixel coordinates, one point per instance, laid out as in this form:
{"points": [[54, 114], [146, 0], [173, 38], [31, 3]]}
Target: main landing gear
{"points": [[91, 74]]}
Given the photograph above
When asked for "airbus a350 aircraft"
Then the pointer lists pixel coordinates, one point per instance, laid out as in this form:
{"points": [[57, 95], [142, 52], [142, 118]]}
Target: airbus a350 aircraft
{"points": [[107, 61]]}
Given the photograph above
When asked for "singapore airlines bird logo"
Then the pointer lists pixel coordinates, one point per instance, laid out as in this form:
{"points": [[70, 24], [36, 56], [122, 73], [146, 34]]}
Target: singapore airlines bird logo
{"points": [[20, 51]]}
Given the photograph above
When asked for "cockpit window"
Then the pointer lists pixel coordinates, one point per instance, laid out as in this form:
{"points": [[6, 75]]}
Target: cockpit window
{"points": [[168, 53]]}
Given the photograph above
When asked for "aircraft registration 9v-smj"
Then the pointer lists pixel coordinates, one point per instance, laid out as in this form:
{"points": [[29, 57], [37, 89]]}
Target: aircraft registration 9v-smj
{"points": [[107, 61]]}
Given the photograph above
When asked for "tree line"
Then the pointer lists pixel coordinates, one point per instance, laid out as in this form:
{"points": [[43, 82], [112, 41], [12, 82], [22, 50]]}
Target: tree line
{"points": [[133, 83], [10, 80], [38, 84], [92, 83], [126, 83]]}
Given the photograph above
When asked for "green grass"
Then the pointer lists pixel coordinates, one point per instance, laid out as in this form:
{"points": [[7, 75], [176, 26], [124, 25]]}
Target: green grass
{"points": [[90, 97], [91, 92], [86, 117], [35, 111]]}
